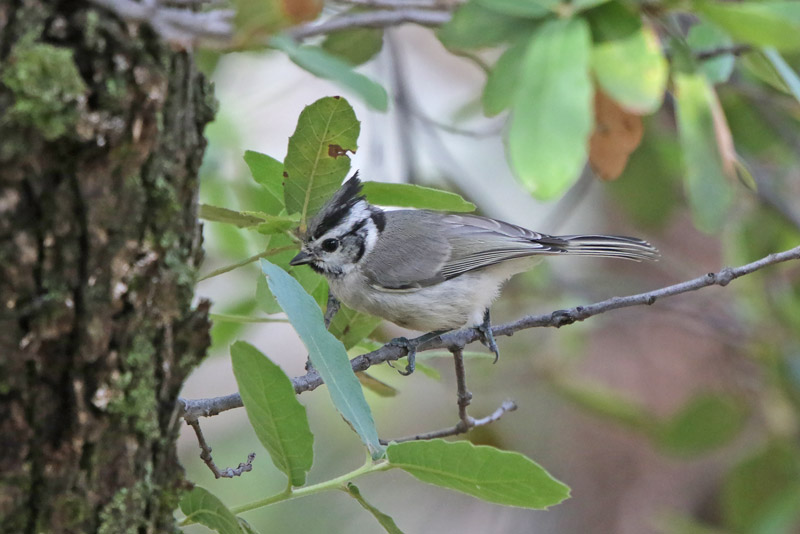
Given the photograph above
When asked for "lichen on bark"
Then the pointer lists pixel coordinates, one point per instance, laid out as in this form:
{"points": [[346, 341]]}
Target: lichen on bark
{"points": [[100, 144]]}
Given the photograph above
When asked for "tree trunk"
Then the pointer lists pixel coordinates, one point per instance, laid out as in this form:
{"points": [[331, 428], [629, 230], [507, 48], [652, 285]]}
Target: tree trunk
{"points": [[100, 142]]}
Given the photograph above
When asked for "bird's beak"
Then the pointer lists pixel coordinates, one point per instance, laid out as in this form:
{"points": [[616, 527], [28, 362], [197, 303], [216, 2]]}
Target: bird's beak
{"points": [[301, 259]]}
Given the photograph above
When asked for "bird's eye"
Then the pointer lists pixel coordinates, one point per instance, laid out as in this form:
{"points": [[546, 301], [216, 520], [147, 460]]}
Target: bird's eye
{"points": [[329, 245]]}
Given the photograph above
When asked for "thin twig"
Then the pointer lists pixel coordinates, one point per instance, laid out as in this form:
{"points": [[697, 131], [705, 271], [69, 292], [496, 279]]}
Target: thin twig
{"points": [[205, 454], [251, 259], [243, 319], [396, 4], [735, 50], [464, 396], [557, 319], [178, 25], [490, 131], [370, 19], [507, 406]]}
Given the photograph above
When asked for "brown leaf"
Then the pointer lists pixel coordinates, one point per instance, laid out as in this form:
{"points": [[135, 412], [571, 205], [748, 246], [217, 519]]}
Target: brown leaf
{"points": [[335, 151], [617, 133], [724, 138], [301, 10]]}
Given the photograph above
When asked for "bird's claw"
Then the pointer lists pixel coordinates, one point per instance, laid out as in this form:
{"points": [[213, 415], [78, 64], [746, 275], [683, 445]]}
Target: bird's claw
{"points": [[411, 348], [487, 337]]}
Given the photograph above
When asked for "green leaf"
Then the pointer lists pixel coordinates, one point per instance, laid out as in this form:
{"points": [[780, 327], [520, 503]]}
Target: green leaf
{"points": [[350, 326], [774, 24], [705, 423], [223, 332], [380, 388], [255, 20], [630, 68], [281, 242], [705, 179], [326, 353], [475, 26], [354, 46], [267, 172], [676, 523], [552, 114], [503, 81], [426, 370], [606, 403], [485, 472], [762, 68], [415, 196], [385, 521], [311, 282], [265, 299], [246, 527], [521, 8], [582, 5], [278, 224], [201, 506], [705, 38], [316, 162], [224, 215], [274, 412], [757, 486], [786, 73], [320, 63]]}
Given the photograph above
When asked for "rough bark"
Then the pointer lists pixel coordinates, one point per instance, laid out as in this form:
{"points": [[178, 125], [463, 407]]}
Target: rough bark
{"points": [[100, 143]]}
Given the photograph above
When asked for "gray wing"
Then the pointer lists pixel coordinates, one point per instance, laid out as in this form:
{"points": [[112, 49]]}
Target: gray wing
{"points": [[479, 242], [410, 252]]}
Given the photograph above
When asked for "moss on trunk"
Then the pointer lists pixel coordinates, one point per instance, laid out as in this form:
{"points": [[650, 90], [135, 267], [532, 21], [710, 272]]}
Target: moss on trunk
{"points": [[100, 142]]}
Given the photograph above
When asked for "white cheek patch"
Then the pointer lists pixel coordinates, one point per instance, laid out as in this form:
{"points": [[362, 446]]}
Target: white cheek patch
{"points": [[371, 238]]}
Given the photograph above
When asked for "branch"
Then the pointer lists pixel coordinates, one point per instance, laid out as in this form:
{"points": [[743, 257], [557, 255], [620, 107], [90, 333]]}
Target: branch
{"points": [[507, 406], [464, 396], [557, 319], [205, 454], [370, 19], [179, 25], [736, 50], [398, 4]]}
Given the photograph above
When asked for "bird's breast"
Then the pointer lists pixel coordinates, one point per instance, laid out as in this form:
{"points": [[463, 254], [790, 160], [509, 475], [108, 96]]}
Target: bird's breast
{"points": [[452, 304]]}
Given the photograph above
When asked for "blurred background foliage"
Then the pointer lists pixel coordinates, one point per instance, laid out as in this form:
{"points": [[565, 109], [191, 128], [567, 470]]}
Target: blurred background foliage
{"points": [[680, 418]]}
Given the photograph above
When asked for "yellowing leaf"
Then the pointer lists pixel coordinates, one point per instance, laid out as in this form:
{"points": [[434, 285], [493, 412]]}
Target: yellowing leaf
{"points": [[629, 66]]}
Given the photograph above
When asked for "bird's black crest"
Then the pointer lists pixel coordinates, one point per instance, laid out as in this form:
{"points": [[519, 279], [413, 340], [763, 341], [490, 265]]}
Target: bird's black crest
{"points": [[337, 208]]}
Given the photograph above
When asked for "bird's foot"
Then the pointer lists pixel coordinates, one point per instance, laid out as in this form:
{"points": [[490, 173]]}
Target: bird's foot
{"points": [[411, 347], [487, 338]]}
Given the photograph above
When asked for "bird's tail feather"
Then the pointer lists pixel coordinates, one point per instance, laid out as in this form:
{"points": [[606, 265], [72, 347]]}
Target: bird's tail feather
{"points": [[612, 246]]}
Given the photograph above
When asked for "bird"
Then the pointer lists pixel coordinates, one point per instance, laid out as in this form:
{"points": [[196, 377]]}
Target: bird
{"points": [[427, 270]]}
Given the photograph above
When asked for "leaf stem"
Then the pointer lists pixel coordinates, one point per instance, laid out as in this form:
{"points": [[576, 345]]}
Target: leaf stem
{"points": [[251, 259], [223, 317], [339, 482]]}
